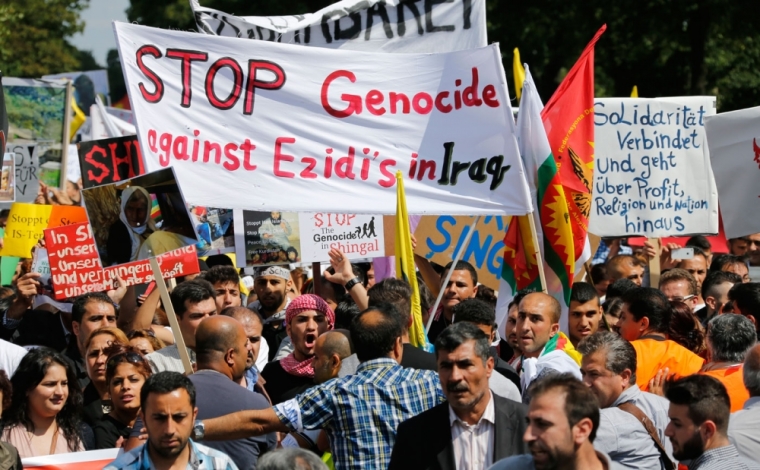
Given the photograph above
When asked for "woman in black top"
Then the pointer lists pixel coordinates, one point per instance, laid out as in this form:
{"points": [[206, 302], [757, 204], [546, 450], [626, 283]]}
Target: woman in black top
{"points": [[126, 372]]}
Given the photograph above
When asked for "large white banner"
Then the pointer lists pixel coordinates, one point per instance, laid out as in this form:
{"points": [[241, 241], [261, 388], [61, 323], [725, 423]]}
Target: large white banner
{"points": [[734, 140], [294, 129], [363, 25], [652, 173]]}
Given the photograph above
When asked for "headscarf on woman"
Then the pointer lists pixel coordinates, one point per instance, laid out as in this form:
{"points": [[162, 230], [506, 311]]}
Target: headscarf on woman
{"points": [[135, 233]]}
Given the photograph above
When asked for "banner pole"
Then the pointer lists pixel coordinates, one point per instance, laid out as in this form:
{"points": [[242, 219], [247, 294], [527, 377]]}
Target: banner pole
{"points": [[167, 302], [66, 136], [539, 258], [457, 257]]}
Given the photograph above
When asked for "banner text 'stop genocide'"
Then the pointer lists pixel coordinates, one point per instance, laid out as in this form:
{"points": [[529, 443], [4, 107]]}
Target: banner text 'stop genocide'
{"points": [[288, 128]]}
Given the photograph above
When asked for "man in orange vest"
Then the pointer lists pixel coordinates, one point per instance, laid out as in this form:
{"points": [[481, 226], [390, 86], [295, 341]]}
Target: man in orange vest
{"points": [[644, 322], [729, 338]]}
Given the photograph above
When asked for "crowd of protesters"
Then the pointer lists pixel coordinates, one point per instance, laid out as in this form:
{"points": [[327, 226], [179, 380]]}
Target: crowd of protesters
{"points": [[325, 374]]}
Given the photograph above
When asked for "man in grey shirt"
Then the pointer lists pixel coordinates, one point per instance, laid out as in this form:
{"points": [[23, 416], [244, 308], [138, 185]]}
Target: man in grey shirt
{"points": [[743, 429], [609, 369]]}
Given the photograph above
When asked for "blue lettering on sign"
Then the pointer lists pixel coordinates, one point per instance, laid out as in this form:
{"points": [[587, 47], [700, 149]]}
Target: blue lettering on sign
{"points": [[483, 251]]}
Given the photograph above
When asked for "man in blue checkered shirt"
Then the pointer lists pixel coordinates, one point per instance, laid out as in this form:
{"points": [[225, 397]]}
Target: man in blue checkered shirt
{"points": [[360, 412]]}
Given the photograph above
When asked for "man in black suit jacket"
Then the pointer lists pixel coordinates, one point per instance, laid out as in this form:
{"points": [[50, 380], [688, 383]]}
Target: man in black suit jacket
{"points": [[437, 438]]}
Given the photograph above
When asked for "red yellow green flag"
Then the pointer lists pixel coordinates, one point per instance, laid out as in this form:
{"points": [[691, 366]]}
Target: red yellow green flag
{"points": [[568, 118]]}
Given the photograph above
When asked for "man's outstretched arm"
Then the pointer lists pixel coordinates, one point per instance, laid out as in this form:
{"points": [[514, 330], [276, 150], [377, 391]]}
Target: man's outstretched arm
{"points": [[242, 424]]}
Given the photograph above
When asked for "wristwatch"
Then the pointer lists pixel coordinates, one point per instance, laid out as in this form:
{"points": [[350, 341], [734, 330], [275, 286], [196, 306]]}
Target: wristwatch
{"points": [[199, 430], [352, 283]]}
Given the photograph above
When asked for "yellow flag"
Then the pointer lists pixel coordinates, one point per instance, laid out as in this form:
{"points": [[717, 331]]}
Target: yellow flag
{"points": [[519, 73], [405, 265], [635, 92], [78, 119]]}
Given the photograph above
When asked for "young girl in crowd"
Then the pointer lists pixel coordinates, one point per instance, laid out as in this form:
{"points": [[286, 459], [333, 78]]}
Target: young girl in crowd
{"points": [[44, 415], [126, 372], [145, 341]]}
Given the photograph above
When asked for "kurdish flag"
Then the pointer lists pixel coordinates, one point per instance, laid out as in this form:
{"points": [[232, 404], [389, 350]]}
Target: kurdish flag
{"points": [[405, 265], [520, 269], [569, 122]]}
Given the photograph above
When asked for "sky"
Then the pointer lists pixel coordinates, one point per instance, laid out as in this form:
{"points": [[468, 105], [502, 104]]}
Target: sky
{"points": [[98, 33]]}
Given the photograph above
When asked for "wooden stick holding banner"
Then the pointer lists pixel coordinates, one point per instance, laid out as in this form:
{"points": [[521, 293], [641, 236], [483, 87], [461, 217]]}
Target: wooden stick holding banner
{"points": [[167, 302], [66, 137], [454, 262], [539, 258], [654, 263]]}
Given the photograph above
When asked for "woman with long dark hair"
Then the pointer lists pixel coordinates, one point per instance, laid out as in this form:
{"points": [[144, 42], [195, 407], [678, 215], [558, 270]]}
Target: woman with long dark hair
{"points": [[44, 416], [126, 372]]}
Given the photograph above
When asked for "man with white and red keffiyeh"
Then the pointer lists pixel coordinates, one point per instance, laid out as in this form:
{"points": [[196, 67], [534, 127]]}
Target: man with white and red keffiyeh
{"points": [[306, 317]]}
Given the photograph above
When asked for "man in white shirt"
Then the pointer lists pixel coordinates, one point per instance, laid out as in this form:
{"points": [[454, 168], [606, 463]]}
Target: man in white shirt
{"points": [[475, 427], [743, 429]]}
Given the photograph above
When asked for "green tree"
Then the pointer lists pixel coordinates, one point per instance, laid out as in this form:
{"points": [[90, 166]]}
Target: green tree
{"points": [[33, 36]]}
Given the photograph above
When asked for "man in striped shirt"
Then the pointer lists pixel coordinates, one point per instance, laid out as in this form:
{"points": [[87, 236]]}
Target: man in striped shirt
{"points": [[360, 412]]}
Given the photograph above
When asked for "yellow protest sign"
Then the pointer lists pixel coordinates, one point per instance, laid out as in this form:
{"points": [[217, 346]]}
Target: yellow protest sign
{"points": [[24, 228]]}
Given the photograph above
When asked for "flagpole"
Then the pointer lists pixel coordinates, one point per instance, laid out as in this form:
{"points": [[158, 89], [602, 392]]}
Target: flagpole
{"points": [[539, 258], [457, 257]]}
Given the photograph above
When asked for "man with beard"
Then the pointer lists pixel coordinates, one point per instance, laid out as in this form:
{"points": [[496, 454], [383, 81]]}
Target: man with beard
{"points": [[168, 411], [475, 427], [271, 284], [698, 428], [462, 285], [252, 325], [307, 317], [562, 421]]}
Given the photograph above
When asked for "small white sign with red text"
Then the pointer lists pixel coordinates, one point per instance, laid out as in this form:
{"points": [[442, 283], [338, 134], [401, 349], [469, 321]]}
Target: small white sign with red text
{"points": [[356, 235]]}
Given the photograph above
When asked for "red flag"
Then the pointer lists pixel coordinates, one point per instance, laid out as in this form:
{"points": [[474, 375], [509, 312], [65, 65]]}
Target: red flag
{"points": [[569, 122]]}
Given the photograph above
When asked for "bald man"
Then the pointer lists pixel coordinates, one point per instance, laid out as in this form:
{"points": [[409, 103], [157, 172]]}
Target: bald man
{"points": [[253, 327], [743, 431], [329, 351], [625, 267], [546, 350], [222, 351]]}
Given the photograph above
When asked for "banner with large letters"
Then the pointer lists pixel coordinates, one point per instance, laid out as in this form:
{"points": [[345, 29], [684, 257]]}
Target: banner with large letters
{"points": [[293, 129], [362, 25], [652, 174]]}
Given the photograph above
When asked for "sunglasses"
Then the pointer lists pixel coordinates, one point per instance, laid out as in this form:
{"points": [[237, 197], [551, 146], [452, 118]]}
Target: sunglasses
{"points": [[131, 357], [681, 299]]}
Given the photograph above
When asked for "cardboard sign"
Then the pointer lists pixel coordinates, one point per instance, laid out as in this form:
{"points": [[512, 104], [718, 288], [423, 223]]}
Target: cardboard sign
{"points": [[353, 120], [267, 238], [8, 179], [364, 25], [75, 267], [26, 172], [356, 235], [109, 160], [439, 239], [125, 216], [26, 223], [652, 172], [734, 140]]}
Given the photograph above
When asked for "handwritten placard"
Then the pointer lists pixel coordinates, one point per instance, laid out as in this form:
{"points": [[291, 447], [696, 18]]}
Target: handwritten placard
{"points": [[26, 169], [75, 266], [440, 237], [652, 174]]}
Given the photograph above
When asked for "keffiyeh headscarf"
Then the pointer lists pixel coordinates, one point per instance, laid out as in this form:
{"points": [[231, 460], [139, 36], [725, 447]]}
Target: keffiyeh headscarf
{"points": [[305, 302]]}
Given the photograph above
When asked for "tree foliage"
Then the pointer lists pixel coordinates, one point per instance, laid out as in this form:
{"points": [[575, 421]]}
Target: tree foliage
{"points": [[665, 47], [33, 36]]}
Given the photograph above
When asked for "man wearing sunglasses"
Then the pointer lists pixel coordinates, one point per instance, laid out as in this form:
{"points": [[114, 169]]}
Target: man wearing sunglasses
{"points": [[679, 285]]}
